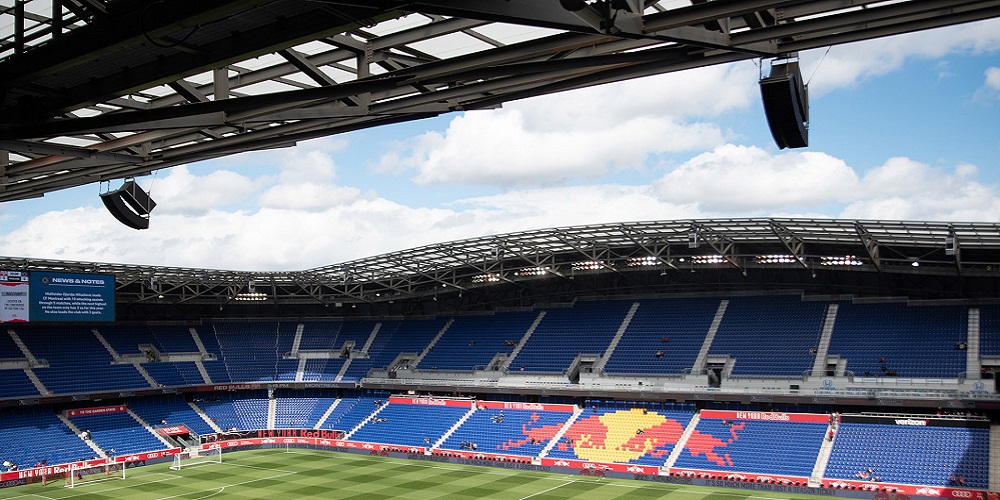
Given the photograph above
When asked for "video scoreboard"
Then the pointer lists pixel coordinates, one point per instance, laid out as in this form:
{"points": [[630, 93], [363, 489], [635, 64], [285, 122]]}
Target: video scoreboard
{"points": [[50, 296]]}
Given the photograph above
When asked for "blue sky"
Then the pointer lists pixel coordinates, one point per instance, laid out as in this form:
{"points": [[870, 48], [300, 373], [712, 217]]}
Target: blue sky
{"points": [[901, 128]]}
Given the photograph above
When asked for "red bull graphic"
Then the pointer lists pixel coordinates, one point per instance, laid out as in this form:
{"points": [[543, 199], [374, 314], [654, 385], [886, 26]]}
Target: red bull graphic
{"points": [[706, 444], [532, 434], [622, 436]]}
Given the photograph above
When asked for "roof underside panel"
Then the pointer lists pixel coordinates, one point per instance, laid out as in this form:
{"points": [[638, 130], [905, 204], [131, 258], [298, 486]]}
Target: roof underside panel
{"points": [[109, 89]]}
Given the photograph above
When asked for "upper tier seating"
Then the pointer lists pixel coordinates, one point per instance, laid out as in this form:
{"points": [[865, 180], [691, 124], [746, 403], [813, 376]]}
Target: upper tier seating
{"points": [[173, 374], [13, 382], [912, 341], [78, 362], [911, 454], [471, 342], [217, 370], [395, 337], [331, 336], [585, 328], [989, 331], [675, 327], [253, 351], [770, 335]]}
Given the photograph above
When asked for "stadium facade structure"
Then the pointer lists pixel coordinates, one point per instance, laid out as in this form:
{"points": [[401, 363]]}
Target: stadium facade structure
{"points": [[917, 263]]}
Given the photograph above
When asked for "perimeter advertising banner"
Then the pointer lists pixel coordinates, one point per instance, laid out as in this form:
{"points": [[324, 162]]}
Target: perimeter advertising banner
{"points": [[13, 296]]}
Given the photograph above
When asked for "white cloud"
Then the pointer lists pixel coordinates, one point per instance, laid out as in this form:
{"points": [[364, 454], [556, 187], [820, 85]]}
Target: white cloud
{"points": [[741, 179], [306, 180], [730, 181], [500, 149], [991, 85], [847, 65], [581, 134], [180, 191], [903, 189], [993, 78]]}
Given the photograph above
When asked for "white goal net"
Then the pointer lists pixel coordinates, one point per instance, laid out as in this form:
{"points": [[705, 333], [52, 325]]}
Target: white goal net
{"points": [[183, 459], [81, 474]]}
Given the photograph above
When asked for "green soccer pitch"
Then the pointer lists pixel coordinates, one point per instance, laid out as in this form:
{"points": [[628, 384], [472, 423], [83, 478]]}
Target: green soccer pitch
{"points": [[304, 473]]}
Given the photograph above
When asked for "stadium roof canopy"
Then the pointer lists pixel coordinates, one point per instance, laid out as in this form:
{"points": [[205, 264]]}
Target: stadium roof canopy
{"points": [[97, 90], [916, 260]]}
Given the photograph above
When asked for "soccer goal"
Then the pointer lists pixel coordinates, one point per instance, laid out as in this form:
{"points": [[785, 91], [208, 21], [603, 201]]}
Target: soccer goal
{"points": [[81, 474], [211, 455]]}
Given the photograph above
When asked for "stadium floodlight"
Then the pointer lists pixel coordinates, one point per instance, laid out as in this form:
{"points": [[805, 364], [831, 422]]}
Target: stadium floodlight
{"points": [[82, 473], [707, 259], [840, 260], [643, 261], [532, 271], [486, 278], [251, 296], [776, 259], [588, 265]]}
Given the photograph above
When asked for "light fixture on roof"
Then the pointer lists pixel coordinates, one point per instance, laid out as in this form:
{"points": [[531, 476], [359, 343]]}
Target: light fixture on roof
{"points": [[775, 259], [532, 271], [707, 259], [588, 265], [643, 261], [251, 296], [840, 260], [486, 278]]}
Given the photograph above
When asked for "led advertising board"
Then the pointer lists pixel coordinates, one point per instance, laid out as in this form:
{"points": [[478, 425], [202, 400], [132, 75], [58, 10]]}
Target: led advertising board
{"points": [[72, 297], [14, 298]]}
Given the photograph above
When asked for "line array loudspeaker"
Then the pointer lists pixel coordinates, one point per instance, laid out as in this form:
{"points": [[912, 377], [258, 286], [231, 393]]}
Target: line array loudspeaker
{"points": [[786, 105], [130, 205]]}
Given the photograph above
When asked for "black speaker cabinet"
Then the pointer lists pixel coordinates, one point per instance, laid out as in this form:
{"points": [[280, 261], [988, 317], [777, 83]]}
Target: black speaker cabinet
{"points": [[130, 205], [786, 105]]}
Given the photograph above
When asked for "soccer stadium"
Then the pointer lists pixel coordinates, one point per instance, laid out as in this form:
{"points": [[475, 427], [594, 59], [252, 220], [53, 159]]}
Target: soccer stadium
{"points": [[773, 357]]}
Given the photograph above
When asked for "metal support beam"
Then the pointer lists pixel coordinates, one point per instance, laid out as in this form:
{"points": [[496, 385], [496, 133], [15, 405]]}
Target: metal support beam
{"points": [[792, 242], [870, 243], [188, 91], [307, 68], [220, 83]]}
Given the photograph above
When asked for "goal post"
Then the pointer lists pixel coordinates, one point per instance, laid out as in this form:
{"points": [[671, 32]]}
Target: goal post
{"points": [[212, 455], [81, 474]]}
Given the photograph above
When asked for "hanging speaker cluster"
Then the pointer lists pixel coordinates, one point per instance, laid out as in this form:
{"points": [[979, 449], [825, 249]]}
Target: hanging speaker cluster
{"points": [[786, 104], [130, 205]]}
